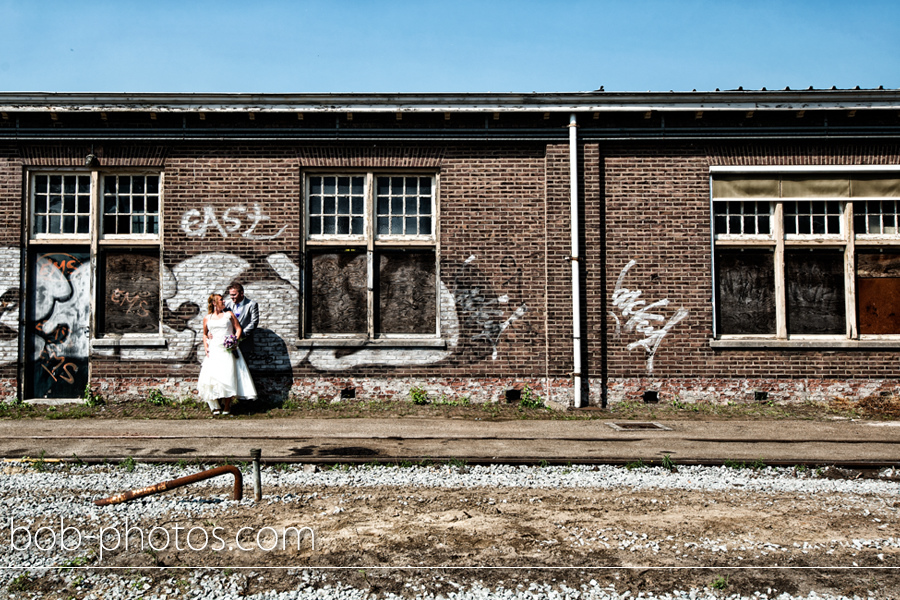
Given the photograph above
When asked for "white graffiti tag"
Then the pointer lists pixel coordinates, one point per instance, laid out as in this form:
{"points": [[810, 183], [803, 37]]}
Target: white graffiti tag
{"points": [[195, 225], [640, 318]]}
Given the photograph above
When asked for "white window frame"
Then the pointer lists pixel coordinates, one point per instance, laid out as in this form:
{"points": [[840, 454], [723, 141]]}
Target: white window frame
{"points": [[779, 242], [372, 242], [97, 242]]}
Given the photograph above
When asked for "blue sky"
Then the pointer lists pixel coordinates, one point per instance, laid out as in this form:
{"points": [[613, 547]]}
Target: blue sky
{"points": [[280, 46]]}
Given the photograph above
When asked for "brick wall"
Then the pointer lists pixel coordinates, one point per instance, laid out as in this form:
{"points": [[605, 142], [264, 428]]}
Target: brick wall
{"points": [[235, 212], [657, 214]]}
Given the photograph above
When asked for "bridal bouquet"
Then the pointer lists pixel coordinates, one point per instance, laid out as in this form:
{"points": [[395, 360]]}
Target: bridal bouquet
{"points": [[230, 342]]}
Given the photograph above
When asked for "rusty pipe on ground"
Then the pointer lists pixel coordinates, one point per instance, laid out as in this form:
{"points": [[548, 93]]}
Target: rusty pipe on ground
{"points": [[181, 481]]}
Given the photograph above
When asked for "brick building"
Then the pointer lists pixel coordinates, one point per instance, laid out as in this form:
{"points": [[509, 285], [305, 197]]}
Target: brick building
{"points": [[713, 245]]}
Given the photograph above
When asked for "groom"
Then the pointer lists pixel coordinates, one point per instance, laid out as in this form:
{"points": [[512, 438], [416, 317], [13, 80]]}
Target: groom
{"points": [[247, 313]]}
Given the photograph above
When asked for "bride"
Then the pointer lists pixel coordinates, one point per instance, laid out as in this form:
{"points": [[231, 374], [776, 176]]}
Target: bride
{"points": [[224, 373]]}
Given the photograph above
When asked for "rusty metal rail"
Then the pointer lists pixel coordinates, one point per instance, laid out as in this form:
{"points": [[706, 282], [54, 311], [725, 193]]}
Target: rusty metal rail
{"points": [[181, 481]]}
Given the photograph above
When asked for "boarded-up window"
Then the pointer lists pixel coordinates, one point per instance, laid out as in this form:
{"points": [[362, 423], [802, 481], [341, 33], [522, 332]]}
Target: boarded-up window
{"points": [[337, 302], [372, 246], [406, 292], [815, 291], [131, 292], [746, 291], [878, 291]]}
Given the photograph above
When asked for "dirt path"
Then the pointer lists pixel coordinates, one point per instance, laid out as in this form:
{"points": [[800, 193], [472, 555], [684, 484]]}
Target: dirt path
{"points": [[653, 540]]}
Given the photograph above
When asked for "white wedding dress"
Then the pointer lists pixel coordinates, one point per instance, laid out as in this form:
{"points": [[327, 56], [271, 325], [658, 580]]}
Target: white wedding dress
{"points": [[223, 374]]}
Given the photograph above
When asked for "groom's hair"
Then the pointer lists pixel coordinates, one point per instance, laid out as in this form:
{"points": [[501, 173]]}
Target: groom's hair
{"points": [[236, 286]]}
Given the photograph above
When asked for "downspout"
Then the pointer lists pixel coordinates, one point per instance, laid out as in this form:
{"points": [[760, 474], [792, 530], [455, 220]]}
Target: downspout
{"points": [[576, 287]]}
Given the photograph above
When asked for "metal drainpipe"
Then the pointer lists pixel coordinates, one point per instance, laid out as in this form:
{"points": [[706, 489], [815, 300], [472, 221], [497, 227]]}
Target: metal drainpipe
{"points": [[576, 287]]}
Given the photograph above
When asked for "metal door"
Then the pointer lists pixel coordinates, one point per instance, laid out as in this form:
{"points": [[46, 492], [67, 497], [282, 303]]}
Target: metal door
{"points": [[57, 332]]}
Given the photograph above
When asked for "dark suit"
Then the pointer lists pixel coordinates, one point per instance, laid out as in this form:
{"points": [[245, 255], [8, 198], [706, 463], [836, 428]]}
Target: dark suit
{"points": [[248, 318]]}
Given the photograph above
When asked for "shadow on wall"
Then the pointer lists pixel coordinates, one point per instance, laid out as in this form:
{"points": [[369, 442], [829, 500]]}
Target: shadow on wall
{"points": [[270, 353]]}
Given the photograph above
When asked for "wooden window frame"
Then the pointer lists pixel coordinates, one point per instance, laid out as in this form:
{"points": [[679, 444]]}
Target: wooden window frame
{"points": [[371, 243], [98, 243], [848, 241]]}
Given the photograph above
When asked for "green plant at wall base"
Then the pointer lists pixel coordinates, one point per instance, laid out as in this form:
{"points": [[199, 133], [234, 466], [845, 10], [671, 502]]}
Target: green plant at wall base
{"points": [[418, 396], [638, 464], [128, 464], [157, 398], [719, 583], [529, 399], [90, 398]]}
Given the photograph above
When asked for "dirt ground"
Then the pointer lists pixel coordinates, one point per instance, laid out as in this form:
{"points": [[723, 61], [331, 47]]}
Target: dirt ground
{"points": [[411, 540], [157, 406], [642, 540]]}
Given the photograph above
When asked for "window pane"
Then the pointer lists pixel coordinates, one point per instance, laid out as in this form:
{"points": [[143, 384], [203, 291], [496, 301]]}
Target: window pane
{"points": [[407, 298], [878, 291], [343, 225], [815, 291], [425, 226], [328, 225], [357, 225], [337, 299], [741, 218], [875, 217], [358, 205], [128, 197], [411, 226], [397, 225], [343, 205], [383, 227], [812, 217], [315, 225], [745, 291], [131, 294], [68, 224]]}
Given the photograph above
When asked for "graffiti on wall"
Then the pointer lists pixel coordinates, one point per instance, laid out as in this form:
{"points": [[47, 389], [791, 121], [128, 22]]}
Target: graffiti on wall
{"points": [[62, 314], [10, 262], [641, 318], [59, 324], [489, 316], [236, 220]]}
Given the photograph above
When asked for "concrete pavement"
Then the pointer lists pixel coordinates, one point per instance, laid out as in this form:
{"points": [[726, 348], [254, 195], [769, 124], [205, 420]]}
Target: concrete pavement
{"points": [[849, 442]]}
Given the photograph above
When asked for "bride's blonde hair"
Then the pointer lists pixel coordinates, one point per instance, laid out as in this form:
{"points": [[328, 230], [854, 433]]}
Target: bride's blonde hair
{"points": [[211, 303]]}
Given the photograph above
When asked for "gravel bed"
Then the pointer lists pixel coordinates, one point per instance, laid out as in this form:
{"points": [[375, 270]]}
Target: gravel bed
{"points": [[69, 491]]}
